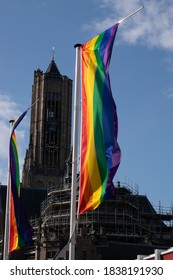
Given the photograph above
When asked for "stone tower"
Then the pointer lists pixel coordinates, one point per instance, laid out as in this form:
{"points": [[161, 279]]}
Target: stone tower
{"points": [[50, 129]]}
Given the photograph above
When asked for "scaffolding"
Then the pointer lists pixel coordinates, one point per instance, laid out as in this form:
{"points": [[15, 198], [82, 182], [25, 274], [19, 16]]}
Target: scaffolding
{"points": [[128, 217]]}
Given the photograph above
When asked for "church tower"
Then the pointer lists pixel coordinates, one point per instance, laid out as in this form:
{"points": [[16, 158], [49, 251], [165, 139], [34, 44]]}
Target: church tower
{"points": [[50, 129]]}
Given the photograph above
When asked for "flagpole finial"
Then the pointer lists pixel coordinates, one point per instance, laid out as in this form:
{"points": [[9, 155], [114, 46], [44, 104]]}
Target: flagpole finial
{"points": [[77, 45]]}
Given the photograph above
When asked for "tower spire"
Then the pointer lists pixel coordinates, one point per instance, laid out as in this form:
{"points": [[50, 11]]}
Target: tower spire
{"points": [[53, 53]]}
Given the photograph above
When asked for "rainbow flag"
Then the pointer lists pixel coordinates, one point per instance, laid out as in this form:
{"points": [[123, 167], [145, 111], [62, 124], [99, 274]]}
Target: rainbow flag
{"points": [[100, 152], [20, 231]]}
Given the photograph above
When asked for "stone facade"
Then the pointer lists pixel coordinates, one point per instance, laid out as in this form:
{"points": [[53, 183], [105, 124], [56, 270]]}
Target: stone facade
{"points": [[50, 129]]}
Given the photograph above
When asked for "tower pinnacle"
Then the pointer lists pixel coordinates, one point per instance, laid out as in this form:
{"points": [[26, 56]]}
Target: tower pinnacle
{"points": [[53, 53]]}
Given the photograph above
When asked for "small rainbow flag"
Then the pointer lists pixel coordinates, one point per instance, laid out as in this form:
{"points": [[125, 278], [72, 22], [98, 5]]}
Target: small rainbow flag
{"points": [[100, 152], [20, 231]]}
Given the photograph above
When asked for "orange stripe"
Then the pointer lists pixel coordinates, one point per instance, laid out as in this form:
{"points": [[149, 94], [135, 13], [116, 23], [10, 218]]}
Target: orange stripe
{"points": [[13, 227]]}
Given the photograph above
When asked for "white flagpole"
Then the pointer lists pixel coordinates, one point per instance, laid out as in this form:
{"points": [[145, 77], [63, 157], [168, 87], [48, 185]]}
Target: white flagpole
{"points": [[75, 152], [7, 212], [73, 214], [121, 20]]}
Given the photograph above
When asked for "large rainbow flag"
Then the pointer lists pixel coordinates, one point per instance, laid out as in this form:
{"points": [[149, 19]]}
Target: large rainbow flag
{"points": [[20, 231], [100, 152]]}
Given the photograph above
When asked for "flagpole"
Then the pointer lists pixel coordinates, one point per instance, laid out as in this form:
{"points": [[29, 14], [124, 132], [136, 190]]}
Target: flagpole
{"points": [[7, 217], [121, 20], [75, 152], [73, 213]]}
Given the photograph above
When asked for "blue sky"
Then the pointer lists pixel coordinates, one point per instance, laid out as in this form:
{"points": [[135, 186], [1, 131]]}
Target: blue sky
{"points": [[141, 74]]}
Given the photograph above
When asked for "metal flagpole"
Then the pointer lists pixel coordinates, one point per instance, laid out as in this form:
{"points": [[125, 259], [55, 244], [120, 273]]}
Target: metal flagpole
{"points": [[7, 211], [75, 152], [121, 20], [7, 217], [73, 213]]}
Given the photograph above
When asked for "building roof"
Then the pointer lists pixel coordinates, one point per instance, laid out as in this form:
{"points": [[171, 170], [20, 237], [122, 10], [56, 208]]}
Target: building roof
{"points": [[52, 70]]}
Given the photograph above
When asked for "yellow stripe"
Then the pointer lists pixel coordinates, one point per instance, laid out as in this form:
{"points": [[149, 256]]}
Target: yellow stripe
{"points": [[91, 159]]}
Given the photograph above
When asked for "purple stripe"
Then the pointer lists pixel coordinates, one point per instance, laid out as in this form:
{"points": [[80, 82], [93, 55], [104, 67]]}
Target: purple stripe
{"points": [[112, 32], [17, 122], [109, 113]]}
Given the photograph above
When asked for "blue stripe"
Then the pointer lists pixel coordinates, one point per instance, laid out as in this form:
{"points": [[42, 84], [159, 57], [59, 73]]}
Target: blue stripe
{"points": [[108, 110]]}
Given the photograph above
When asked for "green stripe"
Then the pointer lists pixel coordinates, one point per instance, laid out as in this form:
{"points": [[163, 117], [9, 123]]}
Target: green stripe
{"points": [[16, 166], [21, 243], [98, 123]]}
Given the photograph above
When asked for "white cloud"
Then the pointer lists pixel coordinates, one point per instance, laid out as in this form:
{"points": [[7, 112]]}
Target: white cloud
{"points": [[3, 175], [152, 26], [9, 110]]}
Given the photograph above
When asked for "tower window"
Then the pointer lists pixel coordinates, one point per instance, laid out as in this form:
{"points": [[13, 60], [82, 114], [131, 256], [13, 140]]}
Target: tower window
{"points": [[50, 114]]}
